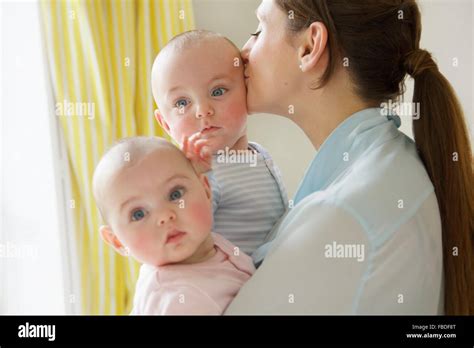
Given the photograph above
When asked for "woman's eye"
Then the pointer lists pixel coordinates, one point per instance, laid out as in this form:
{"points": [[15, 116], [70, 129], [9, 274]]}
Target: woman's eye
{"points": [[138, 215], [182, 103], [176, 194], [257, 33], [218, 92]]}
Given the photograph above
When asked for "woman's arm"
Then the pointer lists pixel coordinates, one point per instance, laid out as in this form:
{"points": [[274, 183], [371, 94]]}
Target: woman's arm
{"points": [[326, 259]]}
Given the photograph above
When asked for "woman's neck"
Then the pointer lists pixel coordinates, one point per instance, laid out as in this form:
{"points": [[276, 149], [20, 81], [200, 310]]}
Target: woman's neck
{"points": [[322, 110]]}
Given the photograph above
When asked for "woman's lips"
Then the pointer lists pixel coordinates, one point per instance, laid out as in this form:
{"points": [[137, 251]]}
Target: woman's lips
{"points": [[174, 237]]}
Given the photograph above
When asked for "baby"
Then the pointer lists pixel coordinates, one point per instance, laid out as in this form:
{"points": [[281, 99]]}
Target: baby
{"points": [[158, 210], [199, 87]]}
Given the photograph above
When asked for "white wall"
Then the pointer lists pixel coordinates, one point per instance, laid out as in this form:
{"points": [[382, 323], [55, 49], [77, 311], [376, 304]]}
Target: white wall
{"points": [[31, 263], [448, 32]]}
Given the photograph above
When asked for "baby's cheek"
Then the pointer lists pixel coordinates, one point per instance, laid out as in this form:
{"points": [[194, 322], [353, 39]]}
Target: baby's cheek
{"points": [[200, 214], [176, 129], [186, 126], [138, 245], [139, 242], [237, 112]]}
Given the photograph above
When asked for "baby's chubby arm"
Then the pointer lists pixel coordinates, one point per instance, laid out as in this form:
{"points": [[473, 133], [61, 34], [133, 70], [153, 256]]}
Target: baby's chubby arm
{"points": [[197, 150]]}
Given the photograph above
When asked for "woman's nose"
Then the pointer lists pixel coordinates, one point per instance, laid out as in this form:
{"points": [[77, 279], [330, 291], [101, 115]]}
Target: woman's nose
{"points": [[166, 217], [245, 51]]}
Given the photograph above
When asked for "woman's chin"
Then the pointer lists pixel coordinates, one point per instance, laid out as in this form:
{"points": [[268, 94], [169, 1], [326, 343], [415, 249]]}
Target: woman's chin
{"points": [[252, 108], [256, 104], [258, 109]]}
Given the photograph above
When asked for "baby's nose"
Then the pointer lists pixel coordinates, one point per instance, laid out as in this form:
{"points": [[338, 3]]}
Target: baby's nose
{"points": [[204, 111], [166, 217]]}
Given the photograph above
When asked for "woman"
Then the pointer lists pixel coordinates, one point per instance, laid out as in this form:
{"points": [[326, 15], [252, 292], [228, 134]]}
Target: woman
{"points": [[377, 217]]}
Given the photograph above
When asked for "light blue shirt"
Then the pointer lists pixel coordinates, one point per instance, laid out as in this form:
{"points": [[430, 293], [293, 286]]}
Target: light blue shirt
{"points": [[364, 235]]}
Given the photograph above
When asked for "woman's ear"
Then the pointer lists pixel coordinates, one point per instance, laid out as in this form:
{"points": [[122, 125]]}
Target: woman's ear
{"points": [[111, 239], [313, 46], [207, 187], [162, 121]]}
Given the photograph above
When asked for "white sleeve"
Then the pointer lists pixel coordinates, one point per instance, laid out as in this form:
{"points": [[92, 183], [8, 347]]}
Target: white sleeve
{"points": [[305, 271]]}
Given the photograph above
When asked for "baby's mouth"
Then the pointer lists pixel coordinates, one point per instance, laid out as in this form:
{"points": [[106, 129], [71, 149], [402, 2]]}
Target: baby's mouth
{"points": [[174, 236], [209, 130]]}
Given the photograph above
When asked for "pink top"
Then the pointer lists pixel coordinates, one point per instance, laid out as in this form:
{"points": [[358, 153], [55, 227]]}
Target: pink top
{"points": [[202, 288]]}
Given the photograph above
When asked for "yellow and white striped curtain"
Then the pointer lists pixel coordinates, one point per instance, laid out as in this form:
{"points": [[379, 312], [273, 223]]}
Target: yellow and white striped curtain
{"points": [[100, 54]]}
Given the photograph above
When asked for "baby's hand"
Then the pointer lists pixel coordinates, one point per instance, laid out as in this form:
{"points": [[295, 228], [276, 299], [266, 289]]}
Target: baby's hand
{"points": [[197, 150]]}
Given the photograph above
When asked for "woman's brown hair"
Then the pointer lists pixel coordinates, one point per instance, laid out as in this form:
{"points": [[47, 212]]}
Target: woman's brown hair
{"points": [[379, 39]]}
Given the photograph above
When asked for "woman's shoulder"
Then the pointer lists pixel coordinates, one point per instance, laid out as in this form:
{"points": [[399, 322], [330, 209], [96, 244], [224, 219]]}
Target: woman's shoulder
{"points": [[382, 188]]}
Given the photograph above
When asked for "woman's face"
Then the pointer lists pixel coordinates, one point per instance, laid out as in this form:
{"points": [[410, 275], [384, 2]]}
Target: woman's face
{"points": [[272, 65]]}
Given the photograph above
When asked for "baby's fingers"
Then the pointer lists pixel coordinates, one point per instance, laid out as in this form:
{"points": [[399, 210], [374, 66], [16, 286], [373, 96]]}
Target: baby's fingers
{"points": [[193, 140], [188, 147], [206, 155], [185, 146], [202, 148]]}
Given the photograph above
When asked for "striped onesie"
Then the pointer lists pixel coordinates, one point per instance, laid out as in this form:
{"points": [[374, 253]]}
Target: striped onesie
{"points": [[247, 199]]}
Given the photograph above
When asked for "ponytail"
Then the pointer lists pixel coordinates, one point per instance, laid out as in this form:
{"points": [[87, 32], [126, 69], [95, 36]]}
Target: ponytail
{"points": [[443, 144]]}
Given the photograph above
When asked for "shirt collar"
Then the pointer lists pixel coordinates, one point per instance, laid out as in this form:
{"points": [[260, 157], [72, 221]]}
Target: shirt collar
{"points": [[335, 153]]}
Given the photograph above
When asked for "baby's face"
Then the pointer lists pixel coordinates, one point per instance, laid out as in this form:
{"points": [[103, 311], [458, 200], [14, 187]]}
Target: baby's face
{"points": [[159, 208], [202, 90]]}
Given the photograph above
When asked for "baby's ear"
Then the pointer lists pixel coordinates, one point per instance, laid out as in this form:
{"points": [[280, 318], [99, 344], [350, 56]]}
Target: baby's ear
{"points": [[111, 239], [207, 187], [159, 118]]}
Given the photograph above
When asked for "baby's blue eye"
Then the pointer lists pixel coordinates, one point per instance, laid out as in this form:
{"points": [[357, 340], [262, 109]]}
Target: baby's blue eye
{"points": [[182, 103], [176, 194], [218, 92], [138, 215]]}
